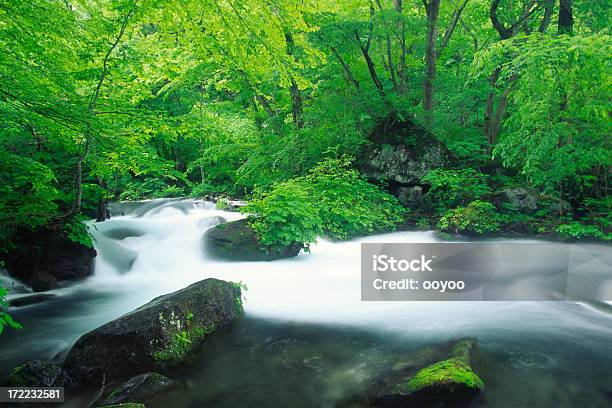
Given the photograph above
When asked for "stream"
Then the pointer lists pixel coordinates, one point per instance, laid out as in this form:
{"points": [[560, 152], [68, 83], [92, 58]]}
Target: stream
{"points": [[307, 340]]}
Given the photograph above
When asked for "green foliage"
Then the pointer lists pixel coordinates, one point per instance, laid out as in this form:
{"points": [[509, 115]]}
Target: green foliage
{"points": [[5, 318], [348, 205], [284, 215], [450, 188], [77, 231], [222, 203], [577, 230], [559, 125], [332, 200], [478, 217]]}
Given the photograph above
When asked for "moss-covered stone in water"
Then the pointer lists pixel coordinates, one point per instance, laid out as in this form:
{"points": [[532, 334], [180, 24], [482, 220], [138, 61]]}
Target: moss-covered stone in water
{"points": [[126, 405], [182, 343], [445, 372], [452, 378]]}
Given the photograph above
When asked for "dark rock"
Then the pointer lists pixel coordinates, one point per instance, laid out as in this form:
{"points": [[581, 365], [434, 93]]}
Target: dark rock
{"points": [[403, 164], [401, 153], [126, 405], [558, 207], [520, 199], [237, 241], [411, 197], [36, 374], [139, 388], [42, 281], [43, 258], [31, 299], [448, 381], [163, 332]]}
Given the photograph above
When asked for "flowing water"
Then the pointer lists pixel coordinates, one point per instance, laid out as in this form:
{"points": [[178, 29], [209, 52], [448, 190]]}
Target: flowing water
{"points": [[307, 339]]}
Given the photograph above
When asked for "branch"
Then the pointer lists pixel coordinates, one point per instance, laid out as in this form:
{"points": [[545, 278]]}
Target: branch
{"points": [[451, 26]]}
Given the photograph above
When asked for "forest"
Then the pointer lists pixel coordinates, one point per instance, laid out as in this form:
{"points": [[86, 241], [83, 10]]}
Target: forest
{"points": [[125, 100]]}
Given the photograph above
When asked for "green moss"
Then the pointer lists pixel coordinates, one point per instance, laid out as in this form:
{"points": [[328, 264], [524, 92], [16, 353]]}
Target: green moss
{"points": [[452, 370], [125, 405], [238, 299], [18, 377], [183, 341]]}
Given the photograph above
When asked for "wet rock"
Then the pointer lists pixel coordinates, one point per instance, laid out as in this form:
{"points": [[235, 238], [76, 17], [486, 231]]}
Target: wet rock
{"points": [[31, 299], [139, 388], [411, 197], [448, 381], [163, 332], [403, 164], [126, 405], [42, 281], [520, 199], [237, 241], [36, 373], [43, 258]]}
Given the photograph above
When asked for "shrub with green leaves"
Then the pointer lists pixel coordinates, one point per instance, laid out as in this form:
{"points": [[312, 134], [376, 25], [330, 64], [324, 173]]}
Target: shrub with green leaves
{"points": [[478, 217], [332, 199], [348, 205], [284, 215], [450, 188], [5, 318], [576, 230]]}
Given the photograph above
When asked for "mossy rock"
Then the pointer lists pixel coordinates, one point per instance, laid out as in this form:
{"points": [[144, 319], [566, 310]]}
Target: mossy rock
{"points": [[449, 381], [128, 405], [164, 332], [36, 373], [237, 241], [139, 388]]}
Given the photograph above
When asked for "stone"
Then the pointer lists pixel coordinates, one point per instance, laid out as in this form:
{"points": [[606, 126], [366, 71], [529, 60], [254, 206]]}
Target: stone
{"points": [[163, 332], [36, 373], [139, 388], [237, 241]]}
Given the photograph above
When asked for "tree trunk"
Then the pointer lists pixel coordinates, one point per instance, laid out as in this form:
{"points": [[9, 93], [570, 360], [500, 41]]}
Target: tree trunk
{"points": [[294, 90], [433, 11], [566, 19]]}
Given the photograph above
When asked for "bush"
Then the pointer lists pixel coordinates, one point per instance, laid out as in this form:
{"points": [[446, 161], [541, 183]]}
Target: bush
{"points": [[284, 215], [348, 205], [450, 188], [479, 217], [577, 230], [332, 200], [5, 318]]}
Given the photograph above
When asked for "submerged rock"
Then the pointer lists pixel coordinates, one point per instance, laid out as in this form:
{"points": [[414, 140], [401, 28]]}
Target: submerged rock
{"points": [[163, 332], [43, 258], [36, 373], [126, 405], [448, 381], [139, 388], [31, 299], [237, 241]]}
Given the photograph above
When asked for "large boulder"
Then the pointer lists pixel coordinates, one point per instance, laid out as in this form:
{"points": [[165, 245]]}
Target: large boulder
{"points": [[139, 388], [399, 154], [36, 373], [403, 165], [163, 332], [520, 199], [237, 241], [448, 381], [45, 257]]}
